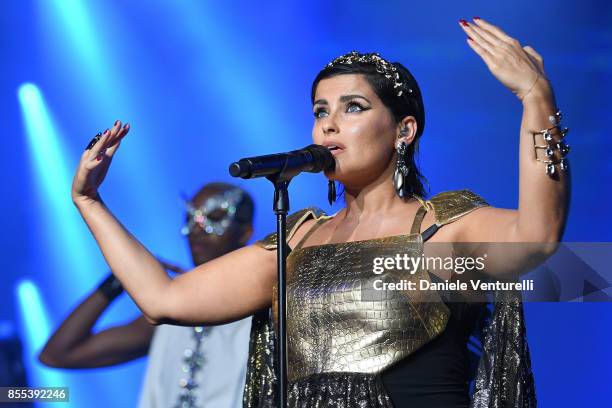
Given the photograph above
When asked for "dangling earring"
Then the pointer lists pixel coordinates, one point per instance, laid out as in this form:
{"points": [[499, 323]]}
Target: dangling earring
{"points": [[331, 191], [400, 176]]}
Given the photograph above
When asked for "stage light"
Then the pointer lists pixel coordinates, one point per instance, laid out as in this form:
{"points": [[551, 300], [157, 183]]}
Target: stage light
{"points": [[35, 330], [58, 223]]}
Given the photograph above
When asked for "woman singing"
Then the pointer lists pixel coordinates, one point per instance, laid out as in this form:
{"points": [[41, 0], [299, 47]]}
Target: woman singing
{"points": [[397, 349]]}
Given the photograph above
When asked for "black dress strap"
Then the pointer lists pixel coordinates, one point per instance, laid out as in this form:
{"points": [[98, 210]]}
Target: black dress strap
{"points": [[429, 232]]}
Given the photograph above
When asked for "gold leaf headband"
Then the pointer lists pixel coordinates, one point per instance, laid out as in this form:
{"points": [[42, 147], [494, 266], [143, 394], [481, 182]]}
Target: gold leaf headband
{"points": [[383, 67]]}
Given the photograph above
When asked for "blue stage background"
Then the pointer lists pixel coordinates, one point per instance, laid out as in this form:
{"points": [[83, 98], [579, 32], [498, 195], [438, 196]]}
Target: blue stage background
{"points": [[204, 84]]}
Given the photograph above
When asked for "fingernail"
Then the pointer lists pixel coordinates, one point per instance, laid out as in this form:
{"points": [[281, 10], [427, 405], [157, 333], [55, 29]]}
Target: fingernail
{"points": [[98, 158], [476, 18], [463, 22], [127, 125], [470, 38], [106, 131], [117, 121]]}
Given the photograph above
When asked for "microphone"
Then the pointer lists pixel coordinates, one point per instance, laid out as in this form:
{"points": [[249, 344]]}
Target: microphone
{"points": [[312, 159]]}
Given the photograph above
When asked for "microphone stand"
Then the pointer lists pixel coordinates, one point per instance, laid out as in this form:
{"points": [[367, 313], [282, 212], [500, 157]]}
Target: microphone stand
{"points": [[313, 158], [281, 208]]}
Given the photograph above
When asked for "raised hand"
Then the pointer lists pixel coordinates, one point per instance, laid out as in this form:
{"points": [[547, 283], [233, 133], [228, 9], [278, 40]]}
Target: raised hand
{"points": [[95, 162], [520, 69]]}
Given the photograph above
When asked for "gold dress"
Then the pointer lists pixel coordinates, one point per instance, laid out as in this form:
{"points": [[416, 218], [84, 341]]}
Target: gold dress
{"points": [[342, 334]]}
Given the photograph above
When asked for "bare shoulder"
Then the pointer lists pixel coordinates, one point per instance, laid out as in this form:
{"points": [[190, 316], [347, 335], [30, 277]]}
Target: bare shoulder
{"points": [[301, 231], [476, 226]]}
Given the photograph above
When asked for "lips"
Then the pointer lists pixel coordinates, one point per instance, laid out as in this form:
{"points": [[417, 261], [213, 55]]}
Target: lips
{"points": [[335, 150], [334, 147]]}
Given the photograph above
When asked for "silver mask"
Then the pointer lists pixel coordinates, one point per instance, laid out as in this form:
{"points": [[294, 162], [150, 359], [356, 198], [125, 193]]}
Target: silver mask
{"points": [[225, 203]]}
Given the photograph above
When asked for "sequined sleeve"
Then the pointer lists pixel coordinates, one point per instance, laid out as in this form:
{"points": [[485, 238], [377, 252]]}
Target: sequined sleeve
{"points": [[260, 385], [504, 377]]}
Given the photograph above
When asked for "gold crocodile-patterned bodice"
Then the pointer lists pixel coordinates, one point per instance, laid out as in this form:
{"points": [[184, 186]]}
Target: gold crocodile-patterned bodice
{"points": [[339, 322]]}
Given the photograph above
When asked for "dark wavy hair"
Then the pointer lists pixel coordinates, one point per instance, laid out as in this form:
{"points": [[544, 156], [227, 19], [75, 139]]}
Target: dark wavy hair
{"points": [[408, 104]]}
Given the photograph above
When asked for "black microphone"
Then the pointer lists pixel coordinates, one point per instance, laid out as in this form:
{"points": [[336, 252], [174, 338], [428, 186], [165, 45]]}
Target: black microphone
{"points": [[313, 159]]}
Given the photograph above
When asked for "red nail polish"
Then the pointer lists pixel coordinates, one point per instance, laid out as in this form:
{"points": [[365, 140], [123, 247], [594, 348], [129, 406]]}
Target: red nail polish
{"points": [[106, 131], [470, 38], [98, 158], [117, 121], [464, 22], [476, 18]]}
